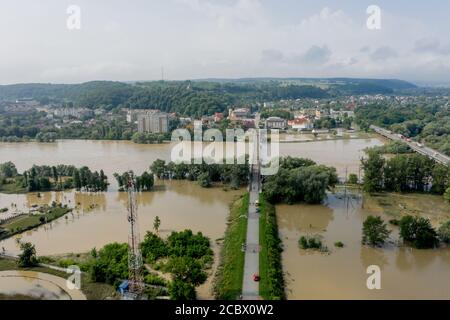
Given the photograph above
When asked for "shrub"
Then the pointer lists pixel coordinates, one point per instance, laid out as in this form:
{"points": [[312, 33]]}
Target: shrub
{"points": [[313, 242], [339, 244], [419, 232], [444, 232], [353, 179], [179, 290]]}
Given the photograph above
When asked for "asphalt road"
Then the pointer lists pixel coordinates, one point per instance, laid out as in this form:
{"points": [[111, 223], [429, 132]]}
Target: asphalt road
{"points": [[431, 153], [250, 288]]}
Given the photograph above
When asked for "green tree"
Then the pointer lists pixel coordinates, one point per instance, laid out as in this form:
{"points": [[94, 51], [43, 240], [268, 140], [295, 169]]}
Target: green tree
{"points": [[444, 232], [179, 290], [204, 180], [186, 269], [111, 264], [375, 231], [419, 232], [153, 247], [8, 170], [159, 168], [447, 194], [353, 179], [373, 172], [28, 256], [156, 224]]}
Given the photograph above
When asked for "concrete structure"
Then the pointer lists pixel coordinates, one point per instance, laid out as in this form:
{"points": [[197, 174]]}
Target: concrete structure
{"points": [[153, 122], [276, 123]]}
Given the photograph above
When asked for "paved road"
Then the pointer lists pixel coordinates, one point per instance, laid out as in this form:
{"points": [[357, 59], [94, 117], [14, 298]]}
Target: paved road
{"points": [[431, 153], [250, 288]]}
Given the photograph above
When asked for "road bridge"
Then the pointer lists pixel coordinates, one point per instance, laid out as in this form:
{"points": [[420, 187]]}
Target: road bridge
{"points": [[417, 147]]}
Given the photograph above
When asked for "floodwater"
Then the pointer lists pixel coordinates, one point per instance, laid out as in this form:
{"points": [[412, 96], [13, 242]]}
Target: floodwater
{"points": [[99, 219], [34, 285], [406, 273], [120, 156]]}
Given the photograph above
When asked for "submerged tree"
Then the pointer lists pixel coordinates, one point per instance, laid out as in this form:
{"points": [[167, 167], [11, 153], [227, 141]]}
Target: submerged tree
{"points": [[375, 231]]}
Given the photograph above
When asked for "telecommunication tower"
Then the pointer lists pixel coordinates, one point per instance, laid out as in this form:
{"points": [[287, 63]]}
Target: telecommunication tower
{"points": [[135, 281]]}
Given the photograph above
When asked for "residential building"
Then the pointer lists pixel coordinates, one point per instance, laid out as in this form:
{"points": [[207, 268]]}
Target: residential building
{"points": [[301, 123], [276, 123], [73, 112], [153, 122], [238, 114], [218, 116]]}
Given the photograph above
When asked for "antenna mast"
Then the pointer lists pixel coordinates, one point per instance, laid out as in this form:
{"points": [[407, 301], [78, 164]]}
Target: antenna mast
{"points": [[135, 281]]}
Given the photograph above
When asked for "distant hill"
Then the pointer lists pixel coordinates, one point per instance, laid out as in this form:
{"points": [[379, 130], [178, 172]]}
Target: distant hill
{"points": [[197, 97]]}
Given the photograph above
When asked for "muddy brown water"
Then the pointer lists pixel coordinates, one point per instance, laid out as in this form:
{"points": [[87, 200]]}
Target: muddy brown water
{"points": [[406, 273], [101, 218]]}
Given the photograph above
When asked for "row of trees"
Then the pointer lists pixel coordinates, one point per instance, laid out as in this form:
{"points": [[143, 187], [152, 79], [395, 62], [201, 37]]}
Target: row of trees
{"points": [[205, 174], [299, 180], [61, 177], [404, 173], [416, 231]]}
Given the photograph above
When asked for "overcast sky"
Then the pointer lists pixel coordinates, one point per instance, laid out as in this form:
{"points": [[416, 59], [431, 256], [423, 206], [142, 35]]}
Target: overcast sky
{"points": [[133, 39]]}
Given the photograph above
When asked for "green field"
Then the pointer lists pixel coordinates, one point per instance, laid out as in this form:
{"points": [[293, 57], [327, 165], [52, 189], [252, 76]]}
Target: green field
{"points": [[230, 273], [27, 222], [271, 286]]}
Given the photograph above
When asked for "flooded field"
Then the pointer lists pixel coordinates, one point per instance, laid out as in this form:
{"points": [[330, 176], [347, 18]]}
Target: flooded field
{"points": [[406, 273]]}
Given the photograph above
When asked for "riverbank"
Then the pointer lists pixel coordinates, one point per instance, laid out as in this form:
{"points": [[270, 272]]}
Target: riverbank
{"points": [[22, 223], [229, 275], [271, 285]]}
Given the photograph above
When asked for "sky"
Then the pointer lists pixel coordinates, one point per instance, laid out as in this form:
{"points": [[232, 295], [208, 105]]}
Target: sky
{"points": [[195, 39]]}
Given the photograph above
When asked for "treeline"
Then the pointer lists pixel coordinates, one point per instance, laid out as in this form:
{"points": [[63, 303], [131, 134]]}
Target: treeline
{"points": [[205, 174], [150, 138], [299, 180], [404, 173], [143, 182], [52, 178]]}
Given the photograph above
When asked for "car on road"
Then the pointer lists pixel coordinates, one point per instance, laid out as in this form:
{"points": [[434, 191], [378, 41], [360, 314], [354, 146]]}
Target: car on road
{"points": [[256, 277]]}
